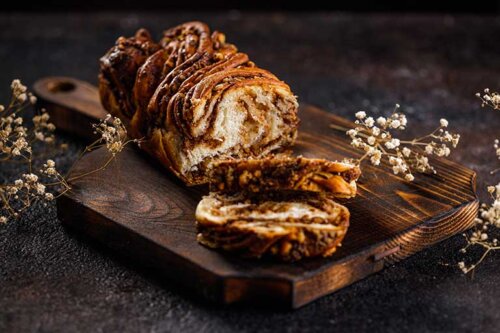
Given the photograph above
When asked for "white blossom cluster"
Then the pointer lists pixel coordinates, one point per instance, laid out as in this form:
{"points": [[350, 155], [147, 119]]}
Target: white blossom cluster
{"points": [[496, 145], [377, 138], [491, 99], [16, 145], [15, 138], [113, 134], [43, 130], [26, 190], [20, 93], [16, 141], [488, 219]]}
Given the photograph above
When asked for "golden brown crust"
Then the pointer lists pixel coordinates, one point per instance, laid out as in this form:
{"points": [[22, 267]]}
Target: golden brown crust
{"points": [[285, 173], [285, 225], [118, 68], [170, 94]]}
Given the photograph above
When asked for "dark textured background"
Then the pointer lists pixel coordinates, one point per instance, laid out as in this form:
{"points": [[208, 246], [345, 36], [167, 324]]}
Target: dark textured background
{"points": [[446, 6], [432, 65]]}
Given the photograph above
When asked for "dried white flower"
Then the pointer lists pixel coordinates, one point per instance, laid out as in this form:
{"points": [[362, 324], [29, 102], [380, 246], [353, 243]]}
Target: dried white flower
{"points": [[360, 115], [33, 99], [409, 177], [491, 99], [489, 218], [15, 146], [405, 156], [375, 157], [31, 177], [50, 170], [21, 98], [403, 121], [496, 145], [395, 123], [352, 133], [113, 134], [39, 136], [40, 188], [392, 144], [17, 88], [381, 121], [369, 122]]}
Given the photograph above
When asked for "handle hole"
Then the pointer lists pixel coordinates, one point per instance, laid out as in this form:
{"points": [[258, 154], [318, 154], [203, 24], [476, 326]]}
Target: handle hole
{"points": [[61, 87]]}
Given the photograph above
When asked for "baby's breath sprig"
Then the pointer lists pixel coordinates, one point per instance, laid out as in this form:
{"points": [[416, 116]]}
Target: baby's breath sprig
{"points": [[492, 100], [377, 137], [488, 98], [113, 134], [487, 222], [17, 146], [496, 146]]}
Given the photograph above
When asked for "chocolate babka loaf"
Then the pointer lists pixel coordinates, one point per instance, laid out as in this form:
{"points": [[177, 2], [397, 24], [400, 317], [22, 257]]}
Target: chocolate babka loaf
{"points": [[285, 173], [284, 225], [195, 99]]}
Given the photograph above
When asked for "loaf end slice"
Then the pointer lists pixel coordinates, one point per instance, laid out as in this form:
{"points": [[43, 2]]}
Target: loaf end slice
{"points": [[285, 173]]}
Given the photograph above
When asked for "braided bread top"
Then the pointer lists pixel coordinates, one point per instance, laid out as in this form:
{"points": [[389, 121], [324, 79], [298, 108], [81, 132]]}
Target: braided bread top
{"points": [[175, 87]]}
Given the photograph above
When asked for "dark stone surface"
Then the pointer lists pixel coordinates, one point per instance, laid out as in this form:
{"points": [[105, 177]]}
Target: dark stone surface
{"points": [[52, 281]]}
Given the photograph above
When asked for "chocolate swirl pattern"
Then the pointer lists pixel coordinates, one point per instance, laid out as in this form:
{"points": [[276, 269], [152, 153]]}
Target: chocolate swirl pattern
{"points": [[338, 179], [284, 225], [195, 99]]}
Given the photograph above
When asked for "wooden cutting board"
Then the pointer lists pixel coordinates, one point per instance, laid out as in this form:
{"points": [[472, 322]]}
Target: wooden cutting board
{"points": [[138, 209]]}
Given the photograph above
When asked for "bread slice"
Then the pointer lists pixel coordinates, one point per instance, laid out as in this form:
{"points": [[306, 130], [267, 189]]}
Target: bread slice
{"points": [[285, 173], [285, 225]]}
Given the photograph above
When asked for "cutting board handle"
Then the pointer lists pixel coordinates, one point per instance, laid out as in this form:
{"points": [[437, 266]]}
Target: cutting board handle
{"points": [[73, 105]]}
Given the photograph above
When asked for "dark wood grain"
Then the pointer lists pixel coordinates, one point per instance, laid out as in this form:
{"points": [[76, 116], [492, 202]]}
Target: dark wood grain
{"points": [[73, 104], [135, 207]]}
